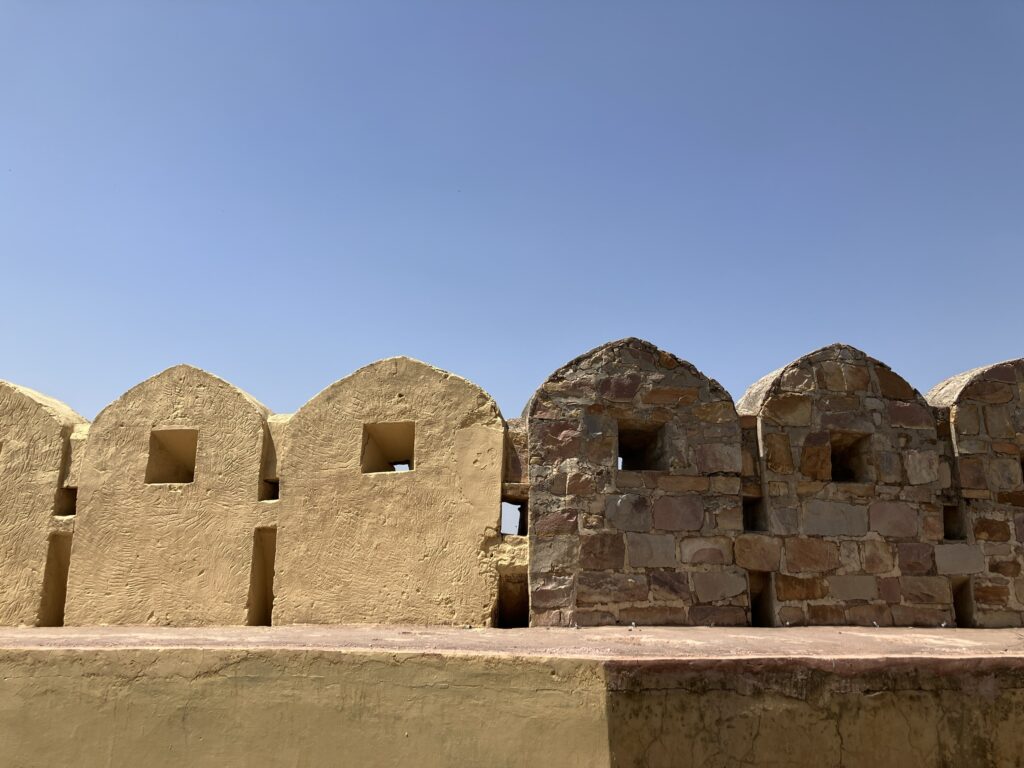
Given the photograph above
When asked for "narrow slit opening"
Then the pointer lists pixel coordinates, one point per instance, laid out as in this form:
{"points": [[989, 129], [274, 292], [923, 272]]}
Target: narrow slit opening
{"points": [[762, 612], [260, 608], [513, 609], [963, 602], [55, 581], [270, 490], [953, 525], [755, 514]]}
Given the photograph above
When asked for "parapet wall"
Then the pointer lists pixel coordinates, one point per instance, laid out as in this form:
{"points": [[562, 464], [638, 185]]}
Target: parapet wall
{"points": [[832, 492]]}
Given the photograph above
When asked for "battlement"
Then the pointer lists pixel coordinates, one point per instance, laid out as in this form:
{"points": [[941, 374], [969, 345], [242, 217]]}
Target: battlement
{"points": [[831, 492]]}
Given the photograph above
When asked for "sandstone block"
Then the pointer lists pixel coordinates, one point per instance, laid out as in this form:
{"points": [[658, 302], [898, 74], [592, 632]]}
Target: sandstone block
{"points": [[829, 518], [853, 587], [712, 550], [922, 467], [628, 512], [602, 551], [893, 519], [925, 589], [595, 587], [670, 585], [718, 585], [959, 559], [651, 550], [679, 513], [800, 587], [758, 553], [916, 558], [805, 555]]}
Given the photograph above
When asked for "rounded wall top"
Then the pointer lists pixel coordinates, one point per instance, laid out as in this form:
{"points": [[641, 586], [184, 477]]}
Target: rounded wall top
{"points": [[55, 409], [804, 374], [952, 390], [629, 352], [189, 380], [370, 378]]}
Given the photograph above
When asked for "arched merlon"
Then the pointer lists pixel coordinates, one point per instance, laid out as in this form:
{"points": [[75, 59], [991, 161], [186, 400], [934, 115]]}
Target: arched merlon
{"points": [[168, 501], [634, 460], [851, 472], [35, 461], [391, 491], [986, 426]]}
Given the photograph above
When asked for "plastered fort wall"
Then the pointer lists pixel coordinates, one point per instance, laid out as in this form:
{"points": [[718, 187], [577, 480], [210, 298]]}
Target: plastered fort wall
{"points": [[831, 492]]}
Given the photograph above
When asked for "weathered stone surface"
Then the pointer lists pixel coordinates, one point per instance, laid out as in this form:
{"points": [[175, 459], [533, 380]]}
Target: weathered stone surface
{"points": [[804, 555], [713, 550], [916, 558], [596, 587], [959, 559], [893, 519], [853, 587], [670, 585], [628, 512], [926, 589], [678, 513], [651, 550], [830, 518], [602, 551], [758, 553], [714, 586], [800, 587]]}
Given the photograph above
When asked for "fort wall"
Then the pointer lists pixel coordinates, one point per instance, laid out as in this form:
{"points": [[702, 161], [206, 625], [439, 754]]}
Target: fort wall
{"points": [[832, 492]]}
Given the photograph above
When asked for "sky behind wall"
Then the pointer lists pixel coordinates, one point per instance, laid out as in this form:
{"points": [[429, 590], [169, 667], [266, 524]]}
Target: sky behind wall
{"points": [[283, 192]]}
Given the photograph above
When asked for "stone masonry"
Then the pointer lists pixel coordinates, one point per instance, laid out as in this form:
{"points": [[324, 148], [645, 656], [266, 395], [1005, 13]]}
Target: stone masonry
{"points": [[634, 504], [831, 493], [847, 526]]}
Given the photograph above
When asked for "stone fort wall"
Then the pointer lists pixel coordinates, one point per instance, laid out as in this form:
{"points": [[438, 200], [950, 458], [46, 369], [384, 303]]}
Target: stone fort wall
{"points": [[831, 492]]}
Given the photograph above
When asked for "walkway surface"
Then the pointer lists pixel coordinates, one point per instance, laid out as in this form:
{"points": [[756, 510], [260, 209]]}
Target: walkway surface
{"points": [[611, 643]]}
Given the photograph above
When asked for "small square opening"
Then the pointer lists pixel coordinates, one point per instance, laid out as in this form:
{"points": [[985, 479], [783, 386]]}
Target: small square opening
{"points": [[641, 447], [66, 502], [389, 447], [270, 490], [513, 519], [954, 527], [851, 457], [755, 514], [172, 456]]}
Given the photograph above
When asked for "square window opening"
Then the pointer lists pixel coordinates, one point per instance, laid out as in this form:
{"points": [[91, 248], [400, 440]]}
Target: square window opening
{"points": [[66, 502], [954, 526], [172, 456], [641, 447], [755, 514], [389, 447], [513, 519], [851, 457]]}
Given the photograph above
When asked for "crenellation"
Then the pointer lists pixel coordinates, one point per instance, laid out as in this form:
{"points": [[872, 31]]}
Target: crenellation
{"points": [[832, 492]]}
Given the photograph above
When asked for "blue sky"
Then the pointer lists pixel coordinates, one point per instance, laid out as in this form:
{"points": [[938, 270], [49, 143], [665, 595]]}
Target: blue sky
{"points": [[283, 192]]}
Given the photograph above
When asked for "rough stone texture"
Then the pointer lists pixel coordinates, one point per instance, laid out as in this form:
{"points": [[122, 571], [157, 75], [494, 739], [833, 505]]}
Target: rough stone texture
{"points": [[386, 546], [861, 475], [35, 514], [984, 409], [675, 501], [176, 553]]}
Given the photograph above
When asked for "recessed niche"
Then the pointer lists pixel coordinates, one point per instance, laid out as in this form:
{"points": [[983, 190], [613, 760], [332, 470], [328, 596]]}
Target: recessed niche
{"points": [[851, 457], [963, 602], [513, 608], [389, 447], [55, 581], [641, 447], [755, 514], [172, 456], [260, 607], [66, 502], [762, 609], [954, 527]]}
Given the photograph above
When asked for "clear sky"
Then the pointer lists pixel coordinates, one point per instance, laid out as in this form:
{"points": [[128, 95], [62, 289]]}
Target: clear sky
{"points": [[283, 192]]}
